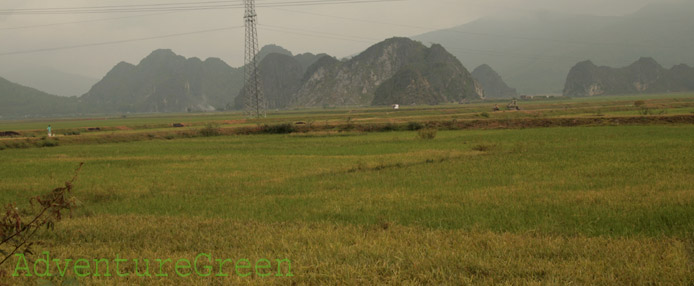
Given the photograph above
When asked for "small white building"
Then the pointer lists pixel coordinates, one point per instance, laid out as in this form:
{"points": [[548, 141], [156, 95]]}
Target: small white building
{"points": [[396, 106]]}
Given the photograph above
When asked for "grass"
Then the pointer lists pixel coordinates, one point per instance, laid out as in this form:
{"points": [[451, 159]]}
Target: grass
{"points": [[331, 254], [546, 193], [600, 205]]}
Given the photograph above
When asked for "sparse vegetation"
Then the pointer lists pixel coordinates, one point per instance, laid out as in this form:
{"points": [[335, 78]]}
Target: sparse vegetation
{"points": [[427, 133], [414, 126], [71, 132], [46, 142], [210, 129], [484, 147], [645, 110], [284, 128]]}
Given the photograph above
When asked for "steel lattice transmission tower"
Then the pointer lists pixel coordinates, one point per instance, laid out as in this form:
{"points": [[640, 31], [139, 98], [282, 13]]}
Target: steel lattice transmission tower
{"points": [[255, 100]]}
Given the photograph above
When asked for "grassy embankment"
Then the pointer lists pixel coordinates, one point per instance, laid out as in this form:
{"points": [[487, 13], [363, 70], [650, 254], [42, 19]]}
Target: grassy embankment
{"points": [[616, 110]]}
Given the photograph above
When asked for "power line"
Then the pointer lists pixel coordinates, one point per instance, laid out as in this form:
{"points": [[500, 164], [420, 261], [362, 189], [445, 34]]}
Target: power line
{"points": [[118, 41], [318, 34], [83, 21], [308, 32], [137, 5], [313, 2], [185, 6]]}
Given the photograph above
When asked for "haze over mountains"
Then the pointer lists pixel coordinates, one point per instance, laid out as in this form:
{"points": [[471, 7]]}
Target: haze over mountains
{"points": [[532, 52], [535, 51], [48, 79]]}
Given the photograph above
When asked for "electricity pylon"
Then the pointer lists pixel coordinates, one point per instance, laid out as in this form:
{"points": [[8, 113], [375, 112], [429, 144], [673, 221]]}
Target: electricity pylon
{"points": [[255, 106]]}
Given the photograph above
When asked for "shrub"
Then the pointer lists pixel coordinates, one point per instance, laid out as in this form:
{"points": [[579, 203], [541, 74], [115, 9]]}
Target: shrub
{"points": [[210, 129], [284, 128], [651, 111], [484, 147], [427, 133], [47, 143], [639, 103], [15, 144], [414, 126], [484, 114], [389, 127], [71, 132]]}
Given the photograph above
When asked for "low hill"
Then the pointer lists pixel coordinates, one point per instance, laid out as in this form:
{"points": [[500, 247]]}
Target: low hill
{"points": [[49, 80], [20, 101]]}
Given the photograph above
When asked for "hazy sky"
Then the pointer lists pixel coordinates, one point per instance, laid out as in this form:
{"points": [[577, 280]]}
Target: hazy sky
{"points": [[340, 30]]}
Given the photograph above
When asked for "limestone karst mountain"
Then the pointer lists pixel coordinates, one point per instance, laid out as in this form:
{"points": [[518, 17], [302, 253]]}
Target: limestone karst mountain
{"points": [[397, 70]]}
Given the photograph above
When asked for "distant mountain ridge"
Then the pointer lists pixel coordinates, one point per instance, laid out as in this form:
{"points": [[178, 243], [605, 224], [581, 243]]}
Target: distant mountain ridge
{"points": [[395, 71], [534, 51], [643, 76], [165, 82]]}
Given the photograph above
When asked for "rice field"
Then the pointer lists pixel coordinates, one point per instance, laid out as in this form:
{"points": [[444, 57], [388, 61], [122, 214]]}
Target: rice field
{"points": [[582, 205]]}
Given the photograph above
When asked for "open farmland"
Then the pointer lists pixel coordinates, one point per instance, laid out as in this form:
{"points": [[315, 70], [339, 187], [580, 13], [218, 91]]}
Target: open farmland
{"points": [[603, 195]]}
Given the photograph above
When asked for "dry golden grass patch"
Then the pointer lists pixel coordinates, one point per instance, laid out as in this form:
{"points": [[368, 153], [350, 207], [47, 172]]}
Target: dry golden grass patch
{"points": [[383, 253]]}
